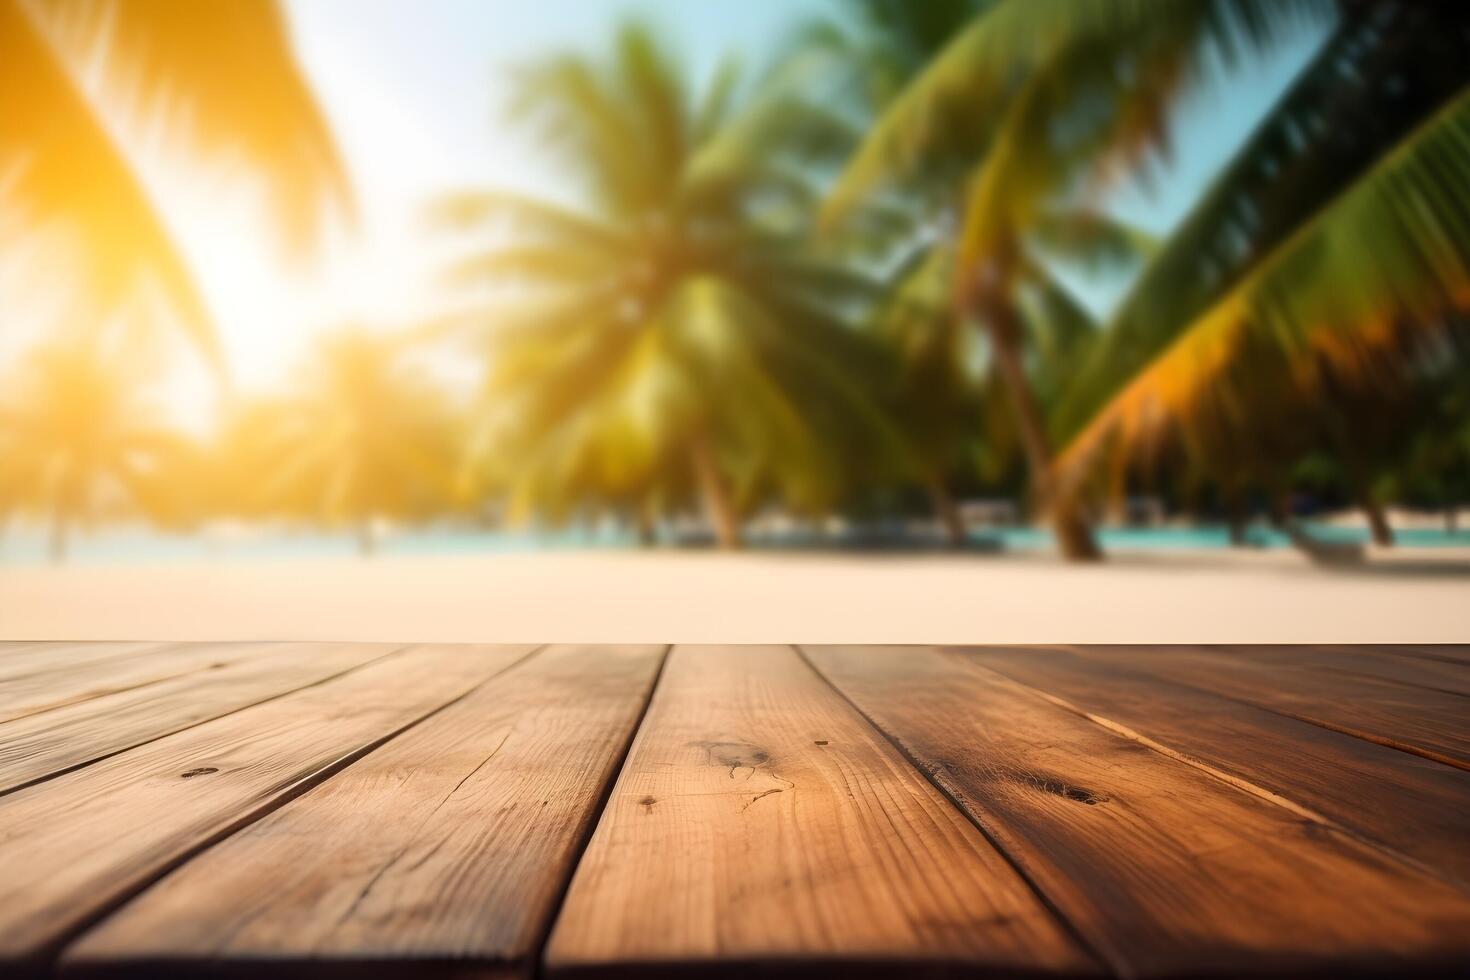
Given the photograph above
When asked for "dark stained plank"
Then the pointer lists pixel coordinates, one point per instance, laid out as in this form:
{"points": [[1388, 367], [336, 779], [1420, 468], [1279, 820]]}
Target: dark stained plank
{"points": [[78, 682], [49, 742], [1359, 661], [1418, 807], [1433, 724], [75, 846], [1163, 868], [450, 844], [46, 657], [759, 822], [1455, 653]]}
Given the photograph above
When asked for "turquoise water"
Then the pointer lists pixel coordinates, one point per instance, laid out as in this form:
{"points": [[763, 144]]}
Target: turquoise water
{"points": [[124, 545]]}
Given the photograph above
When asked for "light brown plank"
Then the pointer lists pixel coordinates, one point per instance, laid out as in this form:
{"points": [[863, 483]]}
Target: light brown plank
{"points": [[79, 682], [49, 742], [8, 647], [75, 846], [1165, 869], [46, 656], [450, 844], [1432, 724], [1418, 807], [760, 822]]}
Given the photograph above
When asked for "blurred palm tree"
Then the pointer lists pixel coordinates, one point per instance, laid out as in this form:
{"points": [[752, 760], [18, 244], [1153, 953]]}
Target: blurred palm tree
{"points": [[1049, 99], [81, 443], [363, 437], [217, 79], [1365, 295], [1382, 71], [677, 336], [947, 401]]}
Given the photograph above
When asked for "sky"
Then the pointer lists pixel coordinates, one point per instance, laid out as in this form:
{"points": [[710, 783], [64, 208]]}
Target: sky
{"points": [[413, 94], [411, 91]]}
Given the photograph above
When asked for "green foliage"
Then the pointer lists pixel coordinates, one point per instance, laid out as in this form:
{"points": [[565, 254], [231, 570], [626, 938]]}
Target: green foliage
{"points": [[683, 310], [1379, 73], [1338, 303]]}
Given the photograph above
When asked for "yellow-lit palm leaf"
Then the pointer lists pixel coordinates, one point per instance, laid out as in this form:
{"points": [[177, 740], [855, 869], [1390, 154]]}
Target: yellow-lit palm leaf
{"points": [[1388, 258], [59, 168], [222, 79]]}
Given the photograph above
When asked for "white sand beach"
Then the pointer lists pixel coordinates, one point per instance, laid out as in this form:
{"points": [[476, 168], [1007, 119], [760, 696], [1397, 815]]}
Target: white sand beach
{"points": [[1403, 595]]}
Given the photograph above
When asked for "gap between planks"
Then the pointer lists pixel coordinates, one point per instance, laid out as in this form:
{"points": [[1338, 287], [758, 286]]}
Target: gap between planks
{"points": [[1326, 773], [761, 824], [65, 730], [60, 907], [389, 863], [1309, 922]]}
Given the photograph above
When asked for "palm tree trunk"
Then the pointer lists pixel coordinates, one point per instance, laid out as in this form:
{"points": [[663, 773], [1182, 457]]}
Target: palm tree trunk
{"points": [[719, 508], [1359, 485], [1378, 525], [365, 543], [1073, 533], [644, 522], [955, 532], [57, 541], [1235, 517], [1281, 507]]}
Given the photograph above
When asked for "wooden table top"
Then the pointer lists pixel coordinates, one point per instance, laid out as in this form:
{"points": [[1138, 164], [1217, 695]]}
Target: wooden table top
{"points": [[449, 810]]}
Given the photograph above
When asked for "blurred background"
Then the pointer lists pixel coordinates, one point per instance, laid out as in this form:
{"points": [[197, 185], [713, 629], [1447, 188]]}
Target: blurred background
{"points": [[468, 302]]}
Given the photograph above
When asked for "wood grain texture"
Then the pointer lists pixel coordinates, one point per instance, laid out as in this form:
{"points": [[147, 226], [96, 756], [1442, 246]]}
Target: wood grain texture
{"points": [[49, 742], [7, 647], [1429, 673], [759, 822], [45, 656], [1432, 724], [65, 684], [448, 845], [1418, 807], [1457, 653], [75, 846], [1164, 868]]}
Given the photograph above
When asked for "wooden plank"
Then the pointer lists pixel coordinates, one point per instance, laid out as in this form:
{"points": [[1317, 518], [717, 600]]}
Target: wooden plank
{"points": [[78, 682], [760, 823], [1455, 653], [1418, 807], [1164, 868], [1358, 661], [8, 647], [45, 657], [75, 846], [450, 844], [1432, 724], [41, 745]]}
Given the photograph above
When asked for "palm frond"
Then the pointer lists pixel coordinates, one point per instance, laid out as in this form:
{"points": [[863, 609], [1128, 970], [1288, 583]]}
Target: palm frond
{"points": [[975, 74], [222, 79], [1387, 259], [534, 265], [579, 121], [1092, 239], [60, 168], [521, 217], [649, 85], [714, 108], [1377, 75]]}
